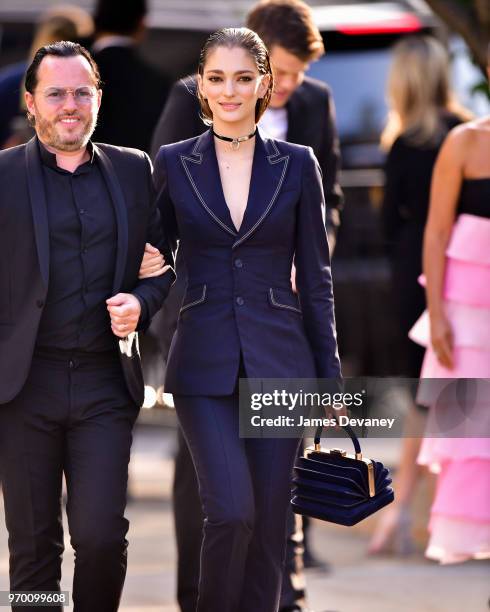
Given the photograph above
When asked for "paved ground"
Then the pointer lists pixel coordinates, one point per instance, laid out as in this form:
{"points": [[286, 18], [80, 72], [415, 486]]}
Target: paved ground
{"points": [[355, 583]]}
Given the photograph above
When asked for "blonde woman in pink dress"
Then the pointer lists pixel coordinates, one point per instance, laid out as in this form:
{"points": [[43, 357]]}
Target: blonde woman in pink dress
{"points": [[456, 331]]}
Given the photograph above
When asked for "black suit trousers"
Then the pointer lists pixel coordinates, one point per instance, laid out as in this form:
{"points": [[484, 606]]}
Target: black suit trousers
{"points": [[73, 416]]}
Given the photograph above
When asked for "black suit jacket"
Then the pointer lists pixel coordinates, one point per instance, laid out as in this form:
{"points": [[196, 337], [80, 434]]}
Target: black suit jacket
{"points": [[133, 96], [24, 254], [311, 122]]}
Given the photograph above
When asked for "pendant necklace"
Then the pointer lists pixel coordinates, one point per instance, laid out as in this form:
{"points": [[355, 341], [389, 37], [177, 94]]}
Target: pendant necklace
{"points": [[235, 142]]}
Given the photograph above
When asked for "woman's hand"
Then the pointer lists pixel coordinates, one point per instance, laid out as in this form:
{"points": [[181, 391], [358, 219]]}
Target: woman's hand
{"points": [[441, 336], [153, 263], [332, 413]]}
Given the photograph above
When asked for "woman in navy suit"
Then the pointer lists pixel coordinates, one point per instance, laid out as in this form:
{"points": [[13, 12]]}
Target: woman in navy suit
{"points": [[243, 206]]}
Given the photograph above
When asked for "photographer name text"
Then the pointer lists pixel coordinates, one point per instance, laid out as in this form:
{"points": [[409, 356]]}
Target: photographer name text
{"points": [[342, 420]]}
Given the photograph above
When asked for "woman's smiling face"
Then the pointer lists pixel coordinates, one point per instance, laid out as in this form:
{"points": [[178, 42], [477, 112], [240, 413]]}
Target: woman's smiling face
{"points": [[232, 84]]}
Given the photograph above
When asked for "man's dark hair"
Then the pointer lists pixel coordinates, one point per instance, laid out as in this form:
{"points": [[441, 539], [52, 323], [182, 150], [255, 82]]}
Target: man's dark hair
{"points": [[63, 48], [288, 24], [119, 16]]}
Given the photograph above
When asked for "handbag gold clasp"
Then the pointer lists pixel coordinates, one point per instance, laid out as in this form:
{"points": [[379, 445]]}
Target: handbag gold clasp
{"points": [[357, 456]]}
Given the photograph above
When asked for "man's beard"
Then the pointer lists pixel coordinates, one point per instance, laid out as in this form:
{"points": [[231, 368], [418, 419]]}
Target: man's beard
{"points": [[49, 134]]}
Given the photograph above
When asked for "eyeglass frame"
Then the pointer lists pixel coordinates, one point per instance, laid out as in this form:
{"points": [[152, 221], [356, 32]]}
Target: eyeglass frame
{"points": [[73, 91]]}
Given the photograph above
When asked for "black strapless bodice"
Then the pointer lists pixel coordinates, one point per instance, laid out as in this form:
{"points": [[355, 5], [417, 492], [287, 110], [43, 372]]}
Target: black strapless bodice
{"points": [[475, 197]]}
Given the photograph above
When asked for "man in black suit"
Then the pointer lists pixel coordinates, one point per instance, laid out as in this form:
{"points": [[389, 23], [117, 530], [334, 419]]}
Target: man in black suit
{"points": [[74, 220], [134, 91], [301, 111]]}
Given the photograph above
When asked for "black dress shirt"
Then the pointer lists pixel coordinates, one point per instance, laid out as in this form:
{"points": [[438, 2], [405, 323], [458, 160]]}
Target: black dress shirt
{"points": [[82, 247]]}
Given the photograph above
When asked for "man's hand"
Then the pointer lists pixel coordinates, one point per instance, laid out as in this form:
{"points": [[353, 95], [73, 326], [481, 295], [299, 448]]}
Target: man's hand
{"points": [[153, 263], [125, 310]]}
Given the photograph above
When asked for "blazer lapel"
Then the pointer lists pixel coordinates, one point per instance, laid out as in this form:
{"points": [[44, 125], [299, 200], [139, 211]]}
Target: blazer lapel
{"points": [[268, 172], [37, 198], [119, 203], [201, 168]]}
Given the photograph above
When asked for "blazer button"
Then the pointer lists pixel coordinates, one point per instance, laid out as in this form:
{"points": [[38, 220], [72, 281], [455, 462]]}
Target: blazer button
{"points": [[39, 303], [240, 301], [238, 263]]}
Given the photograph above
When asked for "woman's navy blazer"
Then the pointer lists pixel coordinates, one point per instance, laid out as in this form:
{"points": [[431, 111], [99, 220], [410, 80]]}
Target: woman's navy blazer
{"points": [[239, 297]]}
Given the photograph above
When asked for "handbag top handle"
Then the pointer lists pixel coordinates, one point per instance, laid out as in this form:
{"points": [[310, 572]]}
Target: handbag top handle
{"points": [[350, 432]]}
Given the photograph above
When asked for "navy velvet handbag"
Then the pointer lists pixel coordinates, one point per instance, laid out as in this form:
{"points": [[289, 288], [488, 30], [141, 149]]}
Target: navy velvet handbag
{"points": [[338, 487]]}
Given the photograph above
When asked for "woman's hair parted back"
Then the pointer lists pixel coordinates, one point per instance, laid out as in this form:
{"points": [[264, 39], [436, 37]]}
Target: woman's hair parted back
{"points": [[418, 91], [245, 39]]}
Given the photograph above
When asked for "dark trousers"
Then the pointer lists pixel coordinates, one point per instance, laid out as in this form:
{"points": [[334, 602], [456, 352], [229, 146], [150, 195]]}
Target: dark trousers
{"points": [[293, 592], [244, 486], [73, 416], [189, 519]]}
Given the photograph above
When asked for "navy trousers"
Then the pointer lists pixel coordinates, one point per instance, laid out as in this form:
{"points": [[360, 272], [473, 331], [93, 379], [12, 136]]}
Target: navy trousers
{"points": [[73, 416], [244, 487]]}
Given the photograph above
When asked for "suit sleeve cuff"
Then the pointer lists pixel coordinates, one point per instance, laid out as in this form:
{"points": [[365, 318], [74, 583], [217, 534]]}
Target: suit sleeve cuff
{"points": [[143, 321]]}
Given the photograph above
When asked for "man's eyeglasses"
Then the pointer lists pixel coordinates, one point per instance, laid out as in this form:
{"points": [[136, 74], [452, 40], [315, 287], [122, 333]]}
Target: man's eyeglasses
{"points": [[58, 95]]}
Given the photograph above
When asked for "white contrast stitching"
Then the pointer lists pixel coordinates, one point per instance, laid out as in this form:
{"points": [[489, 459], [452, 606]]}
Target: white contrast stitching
{"points": [[183, 159], [279, 305], [195, 150], [264, 214], [275, 149], [196, 302]]}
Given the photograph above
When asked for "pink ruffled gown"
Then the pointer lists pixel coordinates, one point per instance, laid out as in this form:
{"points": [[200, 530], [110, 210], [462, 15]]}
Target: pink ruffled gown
{"points": [[460, 515]]}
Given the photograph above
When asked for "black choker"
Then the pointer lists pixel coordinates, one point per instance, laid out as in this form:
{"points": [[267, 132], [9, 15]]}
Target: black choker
{"points": [[235, 142]]}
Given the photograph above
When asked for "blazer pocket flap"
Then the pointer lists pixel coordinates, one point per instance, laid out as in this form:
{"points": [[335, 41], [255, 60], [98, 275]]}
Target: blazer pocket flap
{"points": [[194, 297], [284, 299]]}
